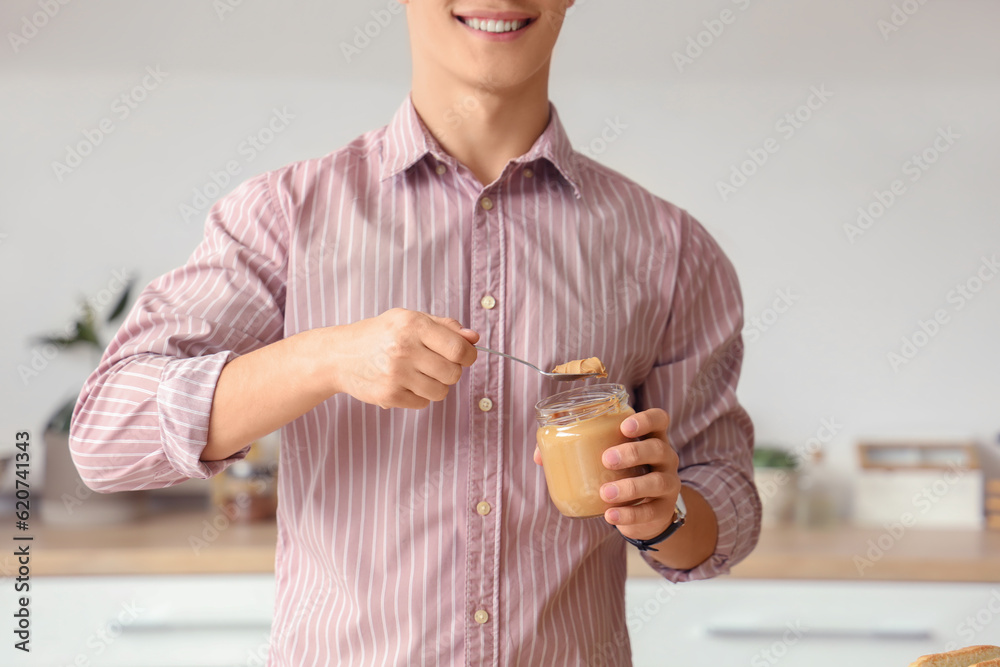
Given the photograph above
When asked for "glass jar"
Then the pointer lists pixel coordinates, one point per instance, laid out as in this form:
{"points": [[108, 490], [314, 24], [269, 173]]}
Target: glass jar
{"points": [[574, 429], [248, 490]]}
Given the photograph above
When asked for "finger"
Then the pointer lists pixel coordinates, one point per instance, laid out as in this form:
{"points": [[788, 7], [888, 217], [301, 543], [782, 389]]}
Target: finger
{"points": [[538, 456], [436, 367], [401, 398], [448, 322], [653, 514], [425, 386], [449, 344], [654, 422], [652, 452], [652, 485], [456, 326]]}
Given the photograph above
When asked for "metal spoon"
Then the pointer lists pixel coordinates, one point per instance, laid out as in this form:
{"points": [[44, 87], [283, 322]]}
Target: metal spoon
{"points": [[559, 377]]}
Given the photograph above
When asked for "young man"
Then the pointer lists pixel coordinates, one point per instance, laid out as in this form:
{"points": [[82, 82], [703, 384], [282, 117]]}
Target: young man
{"points": [[340, 299]]}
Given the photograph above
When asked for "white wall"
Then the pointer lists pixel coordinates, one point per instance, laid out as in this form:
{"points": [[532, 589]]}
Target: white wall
{"points": [[826, 357]]}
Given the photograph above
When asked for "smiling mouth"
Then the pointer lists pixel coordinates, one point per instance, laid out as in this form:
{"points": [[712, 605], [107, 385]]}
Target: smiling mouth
{"points": [[494, 26]]}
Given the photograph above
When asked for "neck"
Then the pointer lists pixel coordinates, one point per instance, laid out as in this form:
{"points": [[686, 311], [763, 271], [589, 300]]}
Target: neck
{"points": [[482, 125]]}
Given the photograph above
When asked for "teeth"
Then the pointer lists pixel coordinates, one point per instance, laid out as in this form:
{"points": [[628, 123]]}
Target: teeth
{"points": [[491, 25]]}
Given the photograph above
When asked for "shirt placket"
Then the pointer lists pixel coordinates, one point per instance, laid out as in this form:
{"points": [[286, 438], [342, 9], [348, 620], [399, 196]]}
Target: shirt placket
{"points": [[483, 503]]}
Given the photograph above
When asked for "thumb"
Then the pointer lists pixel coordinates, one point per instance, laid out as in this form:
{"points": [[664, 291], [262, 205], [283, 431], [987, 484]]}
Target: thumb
{"points": [[449, 322], [456, 326], [469, 335]]}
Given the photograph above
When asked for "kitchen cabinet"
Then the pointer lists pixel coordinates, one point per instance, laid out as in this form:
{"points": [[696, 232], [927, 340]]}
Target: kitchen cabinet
{"points": [[205, 591], [155, 621], [224, 620], [820, 624]]}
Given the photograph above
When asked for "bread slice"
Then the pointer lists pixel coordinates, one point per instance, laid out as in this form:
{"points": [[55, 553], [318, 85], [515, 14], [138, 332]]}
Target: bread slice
{"points": [[963, 657], [988, 663]]}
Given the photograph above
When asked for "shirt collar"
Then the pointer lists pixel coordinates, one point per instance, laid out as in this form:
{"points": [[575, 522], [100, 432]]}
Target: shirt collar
{"points": [[407, 141]]}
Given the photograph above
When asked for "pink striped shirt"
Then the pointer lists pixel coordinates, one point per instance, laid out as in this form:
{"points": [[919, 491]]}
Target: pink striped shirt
{"points": [[427, 537]]}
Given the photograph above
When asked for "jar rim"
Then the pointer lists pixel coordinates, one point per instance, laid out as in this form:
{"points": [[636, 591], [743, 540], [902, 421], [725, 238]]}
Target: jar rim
{"points": [[580, 403]]}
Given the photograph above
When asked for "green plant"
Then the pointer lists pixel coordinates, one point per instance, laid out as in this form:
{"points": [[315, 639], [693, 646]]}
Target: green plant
{"points": [[774, 457], [84, 331]]}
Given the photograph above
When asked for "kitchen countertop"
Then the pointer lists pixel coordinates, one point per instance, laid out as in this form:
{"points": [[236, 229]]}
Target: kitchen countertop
{"points": [[189, 543]]}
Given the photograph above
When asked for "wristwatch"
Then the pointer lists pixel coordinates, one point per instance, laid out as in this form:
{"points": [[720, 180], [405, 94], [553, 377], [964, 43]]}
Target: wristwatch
{"points": [[680, 513]]}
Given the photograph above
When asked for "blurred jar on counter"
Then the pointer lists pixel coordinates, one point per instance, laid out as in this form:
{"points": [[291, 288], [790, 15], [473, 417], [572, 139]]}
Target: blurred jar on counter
{"points": [[248, 489]]}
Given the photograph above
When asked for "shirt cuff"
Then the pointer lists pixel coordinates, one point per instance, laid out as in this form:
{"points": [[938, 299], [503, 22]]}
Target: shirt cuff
{"points": [[184, 398], [737, 509]]}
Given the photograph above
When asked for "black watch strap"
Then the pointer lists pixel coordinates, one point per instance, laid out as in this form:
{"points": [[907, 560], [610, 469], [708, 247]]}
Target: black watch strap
{"points": [[680, 515]]}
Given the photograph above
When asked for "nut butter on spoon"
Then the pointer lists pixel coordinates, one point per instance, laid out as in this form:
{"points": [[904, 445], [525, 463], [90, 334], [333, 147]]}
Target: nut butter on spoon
{"points": [[559, 377], [591, 366]]}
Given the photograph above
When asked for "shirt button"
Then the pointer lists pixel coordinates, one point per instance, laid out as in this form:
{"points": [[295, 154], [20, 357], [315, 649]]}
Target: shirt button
{"points": [[488, 302], [483, 508], [528, 173], [481, 617], [486, 203], [441, 169], [485, 404]]}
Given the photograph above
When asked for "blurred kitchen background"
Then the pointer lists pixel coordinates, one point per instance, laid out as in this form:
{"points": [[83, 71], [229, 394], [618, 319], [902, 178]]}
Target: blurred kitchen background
{"points": [[844, 155]]}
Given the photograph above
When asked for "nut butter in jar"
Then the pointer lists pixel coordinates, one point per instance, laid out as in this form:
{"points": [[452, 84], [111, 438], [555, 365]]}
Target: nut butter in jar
{"points": [[575, 428]]}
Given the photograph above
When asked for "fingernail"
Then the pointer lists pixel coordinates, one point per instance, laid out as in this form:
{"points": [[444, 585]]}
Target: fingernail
{"points": [[630, 425], [613, 516], [612, 458], [610, 492]]}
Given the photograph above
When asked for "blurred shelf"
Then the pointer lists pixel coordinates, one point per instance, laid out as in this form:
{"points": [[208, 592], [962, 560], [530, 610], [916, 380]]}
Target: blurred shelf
{"points": [[170, 543], [860, 554], [206, 543]]}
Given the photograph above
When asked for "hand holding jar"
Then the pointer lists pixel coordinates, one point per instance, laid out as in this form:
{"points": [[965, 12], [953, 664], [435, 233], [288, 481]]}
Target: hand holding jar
{"points": [[602, 458]]}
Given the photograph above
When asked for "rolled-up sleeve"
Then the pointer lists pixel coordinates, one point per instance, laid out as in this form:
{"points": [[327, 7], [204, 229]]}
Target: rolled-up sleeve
{"points": [[694, 380], [142, 418]]}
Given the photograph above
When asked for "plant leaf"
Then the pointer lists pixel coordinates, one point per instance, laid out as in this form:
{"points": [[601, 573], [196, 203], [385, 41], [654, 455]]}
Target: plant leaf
{"points": [[58, 341], [122, 302], [60, 421], [85, 332]]}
